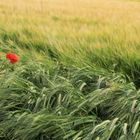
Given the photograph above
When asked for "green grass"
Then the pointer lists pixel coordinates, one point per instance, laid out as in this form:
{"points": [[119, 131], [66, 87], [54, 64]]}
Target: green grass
{"points": [[79, 70]]}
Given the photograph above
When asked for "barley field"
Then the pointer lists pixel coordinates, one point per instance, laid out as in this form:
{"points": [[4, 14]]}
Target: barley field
{"points": [[69, 70]]}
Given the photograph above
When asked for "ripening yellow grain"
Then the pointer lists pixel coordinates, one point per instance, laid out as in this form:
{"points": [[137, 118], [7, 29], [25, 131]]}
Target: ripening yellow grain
{"points": [[74, 23]]}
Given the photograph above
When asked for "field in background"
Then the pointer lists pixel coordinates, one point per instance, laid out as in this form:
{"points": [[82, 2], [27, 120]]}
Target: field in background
{"points": [[72, 25], [79, 70]]}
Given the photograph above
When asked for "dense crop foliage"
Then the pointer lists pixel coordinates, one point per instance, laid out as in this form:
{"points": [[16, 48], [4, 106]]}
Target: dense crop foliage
{"points": [[76, 73]]}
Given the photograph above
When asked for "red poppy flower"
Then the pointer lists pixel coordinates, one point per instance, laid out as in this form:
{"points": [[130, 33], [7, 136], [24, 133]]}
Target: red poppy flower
{"points": [[12, 57]]}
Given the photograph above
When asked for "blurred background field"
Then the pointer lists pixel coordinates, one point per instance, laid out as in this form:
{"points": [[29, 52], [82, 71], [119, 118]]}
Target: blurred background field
{"points": [[79, 60], [97, 27]]}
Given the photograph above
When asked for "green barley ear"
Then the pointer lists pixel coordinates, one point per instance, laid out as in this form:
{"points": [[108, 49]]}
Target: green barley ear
{"points": [[135, 127], [123, 137], [98, 138], [78, 136], [113, 124], [82, 86], [125, 128], [103, 124], [133, 106]]}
